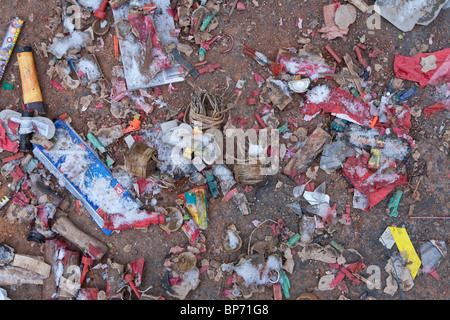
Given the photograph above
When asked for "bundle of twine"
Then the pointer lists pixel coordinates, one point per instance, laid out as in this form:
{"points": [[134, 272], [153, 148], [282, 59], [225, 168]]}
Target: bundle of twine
{"points": [[208, 109]]}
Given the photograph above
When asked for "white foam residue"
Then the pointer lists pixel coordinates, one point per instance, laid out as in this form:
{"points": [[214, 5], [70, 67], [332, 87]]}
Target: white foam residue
{"points": [[318, 94], [380, 177], [291, 66], [76, 40], [124, 178], [169, 160], [104, 196], [353, 107], [59, 270], [233, 241], [252, 273], [255, 150], [74, 166], [89, 69], [307, 64], [68, 24], [91, 4], [191, 277]]}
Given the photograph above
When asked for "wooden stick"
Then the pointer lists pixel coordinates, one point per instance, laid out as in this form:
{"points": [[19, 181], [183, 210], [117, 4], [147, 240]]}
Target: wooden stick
{"points": [[417, 186], [232, 7], [32, 264], [360, 277], [335, 75], [14, 157], [84, 241], [350, 65], [429, 217]]}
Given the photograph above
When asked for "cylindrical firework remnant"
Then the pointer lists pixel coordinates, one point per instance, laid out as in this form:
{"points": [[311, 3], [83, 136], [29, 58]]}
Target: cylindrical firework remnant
{"points": [[360, 58], [335, 56], [140, 160], [31, 91], [84, 241], [260, 120], [8, 43]]}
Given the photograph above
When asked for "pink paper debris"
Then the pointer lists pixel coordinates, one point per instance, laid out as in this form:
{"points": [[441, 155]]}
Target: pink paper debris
{"points": [[21, 199], [5, 142], [330, 30], [230, 194], [56, 84], [259, 79]]}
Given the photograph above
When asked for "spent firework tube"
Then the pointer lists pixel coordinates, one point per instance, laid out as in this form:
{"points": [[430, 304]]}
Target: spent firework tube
{"points": [[151, 218], [8, 43], [31, 91]]}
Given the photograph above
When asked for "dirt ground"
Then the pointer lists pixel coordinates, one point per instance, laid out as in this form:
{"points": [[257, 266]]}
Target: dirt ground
{"points": [[266, 28]]}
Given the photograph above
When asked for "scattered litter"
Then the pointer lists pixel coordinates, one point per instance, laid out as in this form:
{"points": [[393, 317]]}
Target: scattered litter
{"points": [[150, 151], [161, 71]]}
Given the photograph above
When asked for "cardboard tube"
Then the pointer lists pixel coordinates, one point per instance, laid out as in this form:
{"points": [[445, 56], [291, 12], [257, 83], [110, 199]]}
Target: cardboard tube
{"points": [[333, 54], [32, 96], [139, 160], [85, 242], [8, 44]]}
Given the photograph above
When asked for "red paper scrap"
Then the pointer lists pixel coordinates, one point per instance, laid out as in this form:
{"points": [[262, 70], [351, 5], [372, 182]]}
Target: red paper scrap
{"points": [[14, 157], [375, 186], [438, 106], [340, 276], [13, 126], [94, 251], [137, 267], [409, 68], [20, 198], [230, 194], [342, 104], [5, 143], [56, 84], [17, 173]]}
